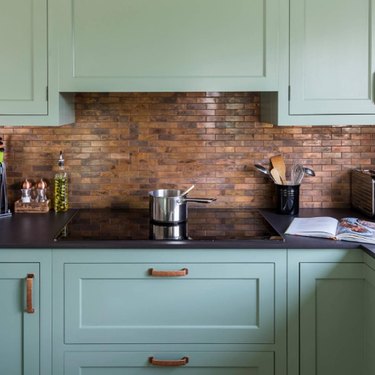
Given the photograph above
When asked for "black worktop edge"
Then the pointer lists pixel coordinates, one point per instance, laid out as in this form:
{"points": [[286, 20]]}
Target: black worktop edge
{"points": [[48, 225]]}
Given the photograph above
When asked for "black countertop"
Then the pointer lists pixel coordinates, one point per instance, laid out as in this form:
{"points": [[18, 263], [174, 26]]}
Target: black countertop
{"points": [[39, 230]]}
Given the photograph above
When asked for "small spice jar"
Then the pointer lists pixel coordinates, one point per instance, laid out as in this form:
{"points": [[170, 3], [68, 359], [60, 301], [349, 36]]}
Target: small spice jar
{"points": [[41, 189], [26, 191]]}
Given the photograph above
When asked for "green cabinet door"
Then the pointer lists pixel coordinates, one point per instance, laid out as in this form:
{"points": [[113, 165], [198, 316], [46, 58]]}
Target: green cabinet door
{"points": [[332, 57], [369, 310], [168, 45], [331, 305], [23, 63], [19, 326]]}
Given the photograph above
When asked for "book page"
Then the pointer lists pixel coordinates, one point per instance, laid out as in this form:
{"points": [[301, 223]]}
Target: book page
{"points": [[354, 229], [322, 226]]}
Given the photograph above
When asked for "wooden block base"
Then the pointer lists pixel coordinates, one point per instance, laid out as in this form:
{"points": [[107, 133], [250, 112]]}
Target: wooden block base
{"points": [[32, 207]]}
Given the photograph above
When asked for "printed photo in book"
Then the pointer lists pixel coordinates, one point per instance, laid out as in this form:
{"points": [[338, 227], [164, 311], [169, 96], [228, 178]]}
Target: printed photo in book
{"points": [[345, 229]]}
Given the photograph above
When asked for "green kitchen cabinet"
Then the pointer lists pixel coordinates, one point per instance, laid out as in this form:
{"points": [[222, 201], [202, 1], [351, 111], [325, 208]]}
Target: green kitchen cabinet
{"points": [[369, 310], [327, 77], [28, 78], [25, 339], [23, 68], [329, 294], [223, 310], [168, 45]]}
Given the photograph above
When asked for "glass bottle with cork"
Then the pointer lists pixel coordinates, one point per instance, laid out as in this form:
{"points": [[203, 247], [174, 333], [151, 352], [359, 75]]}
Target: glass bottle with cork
{"points": [[61, 187]]}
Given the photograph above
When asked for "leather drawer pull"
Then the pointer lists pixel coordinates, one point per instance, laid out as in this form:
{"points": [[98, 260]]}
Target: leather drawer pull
{"points": [[178, 273], [169, 363], [29, 293]]}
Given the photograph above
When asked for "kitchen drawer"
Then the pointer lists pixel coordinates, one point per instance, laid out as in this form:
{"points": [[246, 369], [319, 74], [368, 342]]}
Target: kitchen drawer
{"points": [[211, 303], [199, 363]]}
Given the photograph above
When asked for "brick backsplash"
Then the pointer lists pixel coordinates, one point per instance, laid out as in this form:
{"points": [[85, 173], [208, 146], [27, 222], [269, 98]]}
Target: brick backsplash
{"points": [[125, 144]]}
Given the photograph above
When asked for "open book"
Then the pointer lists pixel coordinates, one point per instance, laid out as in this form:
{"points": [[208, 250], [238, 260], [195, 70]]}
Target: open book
{"points": [[346, 229]]}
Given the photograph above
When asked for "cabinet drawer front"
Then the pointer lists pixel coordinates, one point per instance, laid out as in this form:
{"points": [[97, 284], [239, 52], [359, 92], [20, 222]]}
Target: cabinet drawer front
{"points": [[213, 303], [200, 363]]}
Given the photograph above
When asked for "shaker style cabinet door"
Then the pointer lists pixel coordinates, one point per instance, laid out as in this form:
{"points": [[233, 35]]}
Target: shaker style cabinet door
{"points": [[369, 309], [332, 316], [23, 62], [19, 319], [332, 57], [168, 45]]}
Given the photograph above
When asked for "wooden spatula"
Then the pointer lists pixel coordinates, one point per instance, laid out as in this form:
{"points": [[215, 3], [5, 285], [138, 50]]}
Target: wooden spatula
{"points": [[278, 163], [276, 176]]}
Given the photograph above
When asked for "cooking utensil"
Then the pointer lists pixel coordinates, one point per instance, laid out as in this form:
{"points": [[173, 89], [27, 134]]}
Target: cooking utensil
{"points": [[276, 176], [169, 206], [187, 190], [309, 171], [297, 174], [278, 163], [262, 169], [168, 231]]}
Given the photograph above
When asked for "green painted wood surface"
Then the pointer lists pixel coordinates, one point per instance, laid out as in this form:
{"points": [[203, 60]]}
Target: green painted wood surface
{"points": [[214, 303], [168, 45], [331, 57], [331, 318], [23, 66], [106, 351], [303, 295], [200, 363], [369, 310], [20, 336], [327, 59]]}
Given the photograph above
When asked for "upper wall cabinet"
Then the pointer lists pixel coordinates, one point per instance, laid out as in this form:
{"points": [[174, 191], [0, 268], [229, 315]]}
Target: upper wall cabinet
{"points": [[28, 66], [168, 45], [331, 57], [331, 63], [23, 67]]}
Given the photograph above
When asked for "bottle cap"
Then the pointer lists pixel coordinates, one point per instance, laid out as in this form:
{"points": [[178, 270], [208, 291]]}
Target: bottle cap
{"points": [[61, 160]]}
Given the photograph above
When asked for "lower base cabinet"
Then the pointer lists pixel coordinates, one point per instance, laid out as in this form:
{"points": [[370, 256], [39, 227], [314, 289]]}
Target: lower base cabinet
{"points": [[143, 312], [19, 326], [202, 312], [25, 316], [150, 363], [331, 307]]}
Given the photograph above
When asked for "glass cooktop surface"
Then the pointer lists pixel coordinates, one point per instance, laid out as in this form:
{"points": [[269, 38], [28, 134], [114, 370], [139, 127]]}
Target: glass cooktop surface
{"points": [[134, 224]]}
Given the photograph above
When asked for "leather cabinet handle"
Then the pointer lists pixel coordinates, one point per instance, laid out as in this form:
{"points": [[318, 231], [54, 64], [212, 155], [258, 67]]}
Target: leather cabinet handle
{"points": [[169, 363], [178, 273], [29, 293]]}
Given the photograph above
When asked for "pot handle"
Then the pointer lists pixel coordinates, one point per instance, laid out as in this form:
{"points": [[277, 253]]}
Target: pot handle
{"points": [[196, 200]]}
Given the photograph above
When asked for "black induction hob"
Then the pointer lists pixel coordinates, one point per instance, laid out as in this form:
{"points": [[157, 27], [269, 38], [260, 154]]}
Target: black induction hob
{"points": [[134, 224]]}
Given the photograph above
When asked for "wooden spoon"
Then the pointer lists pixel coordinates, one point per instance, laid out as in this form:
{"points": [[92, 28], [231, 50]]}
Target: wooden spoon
{"points": [[187, 190], [276, 176], [278, 163]]}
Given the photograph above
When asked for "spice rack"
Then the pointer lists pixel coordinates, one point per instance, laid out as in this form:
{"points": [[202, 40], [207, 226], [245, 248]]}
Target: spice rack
{"points": [[32, 207]]}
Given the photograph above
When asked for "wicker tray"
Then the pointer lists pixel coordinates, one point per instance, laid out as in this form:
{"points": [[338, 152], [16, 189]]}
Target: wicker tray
{"points": [[33, 207]]}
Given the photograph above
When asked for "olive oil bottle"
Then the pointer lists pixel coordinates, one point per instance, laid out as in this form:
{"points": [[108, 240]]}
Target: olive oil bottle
{"points": [[61, 187]]}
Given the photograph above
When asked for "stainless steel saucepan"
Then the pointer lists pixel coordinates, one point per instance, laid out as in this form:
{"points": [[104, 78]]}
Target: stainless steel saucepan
{"points": [[170, 206]]}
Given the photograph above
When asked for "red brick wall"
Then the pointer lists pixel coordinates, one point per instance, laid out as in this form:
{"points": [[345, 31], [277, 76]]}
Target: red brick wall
{"points": [[123, 145]]}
